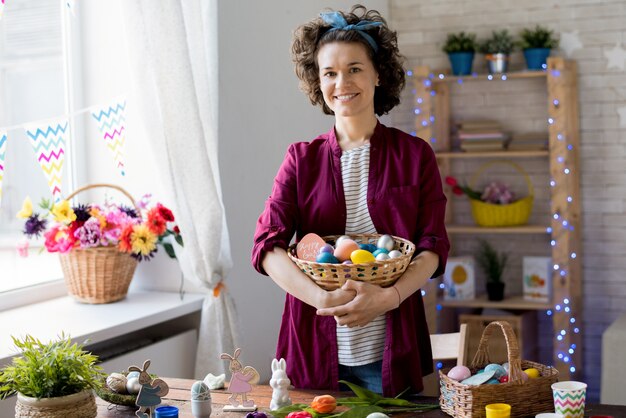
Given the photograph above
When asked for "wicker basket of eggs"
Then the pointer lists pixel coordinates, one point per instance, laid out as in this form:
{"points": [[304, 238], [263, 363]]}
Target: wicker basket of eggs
{"points": [[331, 260]]}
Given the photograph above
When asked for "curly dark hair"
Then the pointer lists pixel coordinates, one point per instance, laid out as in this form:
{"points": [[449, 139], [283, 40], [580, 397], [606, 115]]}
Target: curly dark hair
{"points": [[388, 62]]}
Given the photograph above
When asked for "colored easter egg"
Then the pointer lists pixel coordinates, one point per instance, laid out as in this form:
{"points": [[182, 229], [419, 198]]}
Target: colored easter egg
{"points": [[368, 247], [344, 249], [382, 257], [499, 370], [504, 379], [327, 248], [459, 373], [532, 373], [395, 254], [309, 246], [386, 241], [200, 391], [326, 258], [362, 256], [380, 251]]}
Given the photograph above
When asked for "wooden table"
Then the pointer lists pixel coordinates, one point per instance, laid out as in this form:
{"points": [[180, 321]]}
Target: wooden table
{"points": [[179, 396]]}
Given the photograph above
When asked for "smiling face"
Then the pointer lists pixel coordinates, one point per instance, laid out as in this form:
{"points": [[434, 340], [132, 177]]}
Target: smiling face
{"points": [[348, 78]]}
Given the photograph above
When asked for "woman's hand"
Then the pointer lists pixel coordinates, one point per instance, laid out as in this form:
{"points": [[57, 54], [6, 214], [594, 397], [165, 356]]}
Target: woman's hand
{"points": [[370, 301], [334, 298]]}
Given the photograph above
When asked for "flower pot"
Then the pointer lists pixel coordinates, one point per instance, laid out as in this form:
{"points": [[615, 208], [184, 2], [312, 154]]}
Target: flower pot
{"points": [[495, 291], [461, 62], [77, 405], [497, 63], [536, 58]]}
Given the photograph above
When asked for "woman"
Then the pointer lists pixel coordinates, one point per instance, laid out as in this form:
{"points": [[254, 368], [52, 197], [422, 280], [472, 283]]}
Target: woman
{"points": [[360, 177]]}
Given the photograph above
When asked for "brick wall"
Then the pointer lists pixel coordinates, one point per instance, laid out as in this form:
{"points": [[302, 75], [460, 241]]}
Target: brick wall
{"points": [[600, 25]]}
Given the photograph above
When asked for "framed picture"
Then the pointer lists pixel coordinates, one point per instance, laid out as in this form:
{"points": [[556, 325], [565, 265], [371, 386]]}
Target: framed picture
{"points": [[459, 279], [537, 274]]}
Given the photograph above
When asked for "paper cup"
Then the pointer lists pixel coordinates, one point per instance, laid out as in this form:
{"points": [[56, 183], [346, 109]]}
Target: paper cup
{"points": [[549, 415], [569, 398], [498, 410]]}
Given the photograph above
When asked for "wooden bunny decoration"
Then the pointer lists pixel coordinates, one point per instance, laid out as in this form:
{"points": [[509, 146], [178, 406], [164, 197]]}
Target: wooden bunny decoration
{"points": [[241, 381], [151, 391]]}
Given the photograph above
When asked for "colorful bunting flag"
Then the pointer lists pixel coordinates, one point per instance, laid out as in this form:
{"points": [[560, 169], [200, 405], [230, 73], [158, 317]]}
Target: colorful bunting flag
{"points": [[3, 148], [48, 139], [111, 121]]}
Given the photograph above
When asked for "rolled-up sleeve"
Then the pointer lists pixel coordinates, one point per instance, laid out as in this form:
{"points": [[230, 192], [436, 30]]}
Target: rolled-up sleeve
{"points": [[277, 224], [431, 223]]}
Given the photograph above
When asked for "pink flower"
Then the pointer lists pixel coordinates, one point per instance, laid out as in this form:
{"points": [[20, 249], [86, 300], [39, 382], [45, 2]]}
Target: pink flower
{"points": [[22, 247], [57, 240]]}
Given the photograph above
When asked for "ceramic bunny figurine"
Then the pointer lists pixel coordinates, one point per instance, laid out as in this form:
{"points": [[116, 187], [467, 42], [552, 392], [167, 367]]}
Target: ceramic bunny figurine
{"points": [[280, 384], [151, 391]]}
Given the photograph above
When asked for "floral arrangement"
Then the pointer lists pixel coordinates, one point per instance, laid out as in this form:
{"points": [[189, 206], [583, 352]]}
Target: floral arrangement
{"points": [[495, 192], [132, 231]]}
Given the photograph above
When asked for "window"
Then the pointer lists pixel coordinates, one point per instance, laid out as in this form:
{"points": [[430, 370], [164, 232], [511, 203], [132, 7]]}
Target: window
{"points": [[33, 86]]}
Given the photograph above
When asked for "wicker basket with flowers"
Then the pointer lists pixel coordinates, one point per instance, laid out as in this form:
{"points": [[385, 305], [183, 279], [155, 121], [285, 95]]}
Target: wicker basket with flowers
{"points": [[100, 245]]}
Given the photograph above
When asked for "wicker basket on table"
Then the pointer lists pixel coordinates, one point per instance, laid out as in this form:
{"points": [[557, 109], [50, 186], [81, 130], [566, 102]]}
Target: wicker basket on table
{"points": [[99, 274], [331, 276], [494, 215], [526, 397]]}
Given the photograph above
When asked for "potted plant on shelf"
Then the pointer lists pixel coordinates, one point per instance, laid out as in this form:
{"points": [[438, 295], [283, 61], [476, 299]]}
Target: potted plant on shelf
{"points": [[52, 379], [460, 48], [536, 44], [492, 263], [497, 50]]}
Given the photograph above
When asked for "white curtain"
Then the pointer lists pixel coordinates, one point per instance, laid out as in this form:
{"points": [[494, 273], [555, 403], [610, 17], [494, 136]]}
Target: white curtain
{"points": [[173, 55]]}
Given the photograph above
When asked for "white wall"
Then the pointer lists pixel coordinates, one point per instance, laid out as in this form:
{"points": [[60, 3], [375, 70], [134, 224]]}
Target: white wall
{"points": [[261, 112]]}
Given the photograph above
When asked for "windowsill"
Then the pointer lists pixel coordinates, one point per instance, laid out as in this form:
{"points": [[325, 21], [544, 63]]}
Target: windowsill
{"points": [[97, 323]]}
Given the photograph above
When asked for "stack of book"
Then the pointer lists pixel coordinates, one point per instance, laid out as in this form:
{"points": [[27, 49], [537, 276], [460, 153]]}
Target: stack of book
{"points": [[529, 142], [481, 135]]}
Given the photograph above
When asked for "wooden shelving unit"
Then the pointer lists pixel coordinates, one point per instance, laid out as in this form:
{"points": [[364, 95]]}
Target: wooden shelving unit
{"points": [[433, 96]]}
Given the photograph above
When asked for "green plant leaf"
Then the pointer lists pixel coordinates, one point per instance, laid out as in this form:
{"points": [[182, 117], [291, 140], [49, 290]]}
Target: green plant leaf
{"points": [[362, 393], [360, 411], [169, 249], [179, 239]]}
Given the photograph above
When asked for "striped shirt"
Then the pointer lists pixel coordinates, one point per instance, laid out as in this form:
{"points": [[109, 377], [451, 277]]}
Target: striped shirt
{"points": [[361, 345]]}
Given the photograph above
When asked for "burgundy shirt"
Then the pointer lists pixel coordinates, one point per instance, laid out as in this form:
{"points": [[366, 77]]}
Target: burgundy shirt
{"points": [[405, 198]]}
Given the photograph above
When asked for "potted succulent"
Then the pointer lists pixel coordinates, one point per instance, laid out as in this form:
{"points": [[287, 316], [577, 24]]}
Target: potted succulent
{"points": [[53, 379], [460, 48], [536, 44], [497, 50], [492, 263]]}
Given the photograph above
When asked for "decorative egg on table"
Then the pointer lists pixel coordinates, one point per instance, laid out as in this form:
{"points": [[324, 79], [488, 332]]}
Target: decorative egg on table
{"points": [[200, 400], [377, 415], [117, 382], [132, 385]]}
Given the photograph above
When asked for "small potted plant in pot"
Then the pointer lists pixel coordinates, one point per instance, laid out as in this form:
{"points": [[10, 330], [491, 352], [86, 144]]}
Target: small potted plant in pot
{"points": [[492, 263], [460, 48], [52, 379], [497, 50], [537, 44]]}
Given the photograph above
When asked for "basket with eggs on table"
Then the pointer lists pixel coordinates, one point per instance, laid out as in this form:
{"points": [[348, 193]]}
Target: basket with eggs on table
{"points": [[331, 260]]}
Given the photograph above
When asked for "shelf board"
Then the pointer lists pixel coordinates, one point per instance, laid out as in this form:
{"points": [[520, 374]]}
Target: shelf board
{"points": [[513, 302], [494, 154], [473, 229], [447, 78]]}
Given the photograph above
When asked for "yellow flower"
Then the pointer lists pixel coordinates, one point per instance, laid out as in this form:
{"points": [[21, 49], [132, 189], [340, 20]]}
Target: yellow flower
{"points": [[143, 241], [27, 209], [63, 212]]}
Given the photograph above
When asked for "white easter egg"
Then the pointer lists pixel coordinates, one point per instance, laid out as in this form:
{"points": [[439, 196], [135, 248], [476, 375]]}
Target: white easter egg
{"points": [[386, 241], [132, 374], [133, 386], [200, 391], [341, 238], [382, 257], [395, 254], [377, 415]]}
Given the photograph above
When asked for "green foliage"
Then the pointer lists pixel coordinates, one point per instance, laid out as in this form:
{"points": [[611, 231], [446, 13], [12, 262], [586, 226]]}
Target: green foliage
{"points": [[364, 403], [460, 42], [500, 42], [48, 370], [539, 37], [491, 261]]}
